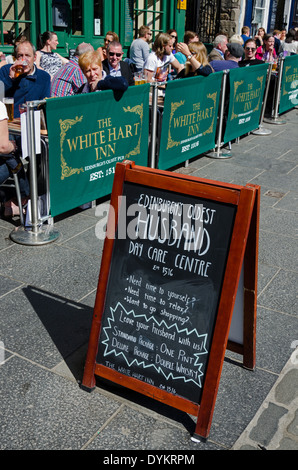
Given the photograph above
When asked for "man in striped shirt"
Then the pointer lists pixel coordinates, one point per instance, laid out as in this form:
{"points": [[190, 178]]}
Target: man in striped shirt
{"points": [[70, 77]]}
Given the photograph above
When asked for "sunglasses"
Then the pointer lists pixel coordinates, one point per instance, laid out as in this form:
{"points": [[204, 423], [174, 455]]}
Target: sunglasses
{"points": [[250, 49], [117, 54]]}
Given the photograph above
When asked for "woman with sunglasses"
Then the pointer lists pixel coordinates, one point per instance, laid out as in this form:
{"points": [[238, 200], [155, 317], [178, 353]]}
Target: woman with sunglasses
{"points": [[174, 35], [109, 37], [250, 49], [197, 60]]}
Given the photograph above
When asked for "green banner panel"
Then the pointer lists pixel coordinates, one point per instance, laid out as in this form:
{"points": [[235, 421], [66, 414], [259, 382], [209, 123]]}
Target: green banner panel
{"points": [[289, 84], [246, 91], [88, 135], [189, 119]]}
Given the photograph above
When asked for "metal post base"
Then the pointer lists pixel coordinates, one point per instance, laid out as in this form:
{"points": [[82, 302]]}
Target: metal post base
{"points": [[25, 236], [220, 154], [261, 131], [274, 121]]}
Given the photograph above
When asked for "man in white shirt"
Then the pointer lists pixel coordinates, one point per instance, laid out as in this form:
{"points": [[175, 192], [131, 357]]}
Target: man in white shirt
{"points": [[139, 49], [162, 56]]}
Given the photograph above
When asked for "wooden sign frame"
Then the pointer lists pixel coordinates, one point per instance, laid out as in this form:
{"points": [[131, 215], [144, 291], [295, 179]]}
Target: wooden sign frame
{"points": [[243, 254]]}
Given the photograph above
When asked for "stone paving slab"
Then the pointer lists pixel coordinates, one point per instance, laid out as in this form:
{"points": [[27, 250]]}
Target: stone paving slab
{"points": [[47, 296], [275, 425]]}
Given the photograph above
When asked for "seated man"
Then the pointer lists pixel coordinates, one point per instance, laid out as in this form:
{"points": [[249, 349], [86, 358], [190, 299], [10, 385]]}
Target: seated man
{"points": [[219, 48], [250, 48], [139, 49], [161, 58], [70, 77], [233, 55], [33, 84], [114, 65]]}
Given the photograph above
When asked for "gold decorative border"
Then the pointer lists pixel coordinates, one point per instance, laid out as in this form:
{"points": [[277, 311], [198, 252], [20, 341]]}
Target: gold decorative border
{"points": [[213, 97], [260, 79], [236, 85], [139, 110], [172, 143], [285, 91], [64, 127]]}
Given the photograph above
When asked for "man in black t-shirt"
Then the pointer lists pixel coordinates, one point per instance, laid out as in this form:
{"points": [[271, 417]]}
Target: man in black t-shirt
{"points": [[250, 48]]}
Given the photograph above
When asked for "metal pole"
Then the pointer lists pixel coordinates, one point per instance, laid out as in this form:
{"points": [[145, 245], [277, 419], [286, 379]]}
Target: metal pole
{"points": [[221, 153], [33, 168], [261, 130], [153, 123], [36, 234], [275, 119]]}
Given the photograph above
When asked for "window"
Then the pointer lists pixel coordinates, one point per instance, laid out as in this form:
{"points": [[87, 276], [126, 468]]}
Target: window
{"points": [[14, 21], [150, 13], [259, 15], [98, 18], [77, 17]]}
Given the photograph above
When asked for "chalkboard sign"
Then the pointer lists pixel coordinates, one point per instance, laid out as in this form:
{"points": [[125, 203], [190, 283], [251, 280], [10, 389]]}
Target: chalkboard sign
{"points": [[166, 288]]}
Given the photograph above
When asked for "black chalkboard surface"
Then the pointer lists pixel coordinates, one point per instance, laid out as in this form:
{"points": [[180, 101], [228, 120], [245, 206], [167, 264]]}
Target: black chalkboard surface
{"points": [[175, 249], [164, 286]]}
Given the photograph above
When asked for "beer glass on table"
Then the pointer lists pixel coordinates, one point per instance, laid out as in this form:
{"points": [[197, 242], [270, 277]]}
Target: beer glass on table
{"points": [[9, 103]]}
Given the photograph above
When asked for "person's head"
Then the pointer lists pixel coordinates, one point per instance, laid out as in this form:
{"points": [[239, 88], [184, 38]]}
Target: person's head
{"points": [[18, 41], [110, 37], [82, 48], [145, 33], [90, 63], [269, 42], [250, 48], [290, 36], [220, 43], [190, 36], [234, 51], [163, 45], [199, 51], [114, 53], [48, 38], [283, 34], [261, 32], [174, 35], [25, 51], [245, 30], [237, 38], [277, 33]]}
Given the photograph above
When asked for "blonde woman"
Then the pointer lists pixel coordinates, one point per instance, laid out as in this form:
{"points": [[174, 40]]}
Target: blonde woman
{"points": [[91, 65], [197, 60]]}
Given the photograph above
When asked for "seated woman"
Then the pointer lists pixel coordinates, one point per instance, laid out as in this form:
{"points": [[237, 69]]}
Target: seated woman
{"points": [[91, 65], [10, 163], [197, 60], [109, 37], [267, 51], [46, 59]]}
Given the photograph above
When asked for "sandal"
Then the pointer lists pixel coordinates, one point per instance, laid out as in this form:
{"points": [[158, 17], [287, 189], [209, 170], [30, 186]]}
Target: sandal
{"points": [[11, 209]]}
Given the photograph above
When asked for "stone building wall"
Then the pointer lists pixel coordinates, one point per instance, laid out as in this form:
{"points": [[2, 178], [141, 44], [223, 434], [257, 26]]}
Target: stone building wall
{"points": [[229, 17]]}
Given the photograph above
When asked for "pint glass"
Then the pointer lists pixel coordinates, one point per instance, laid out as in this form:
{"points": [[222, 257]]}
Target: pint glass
{"points": [[9, 103]]}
